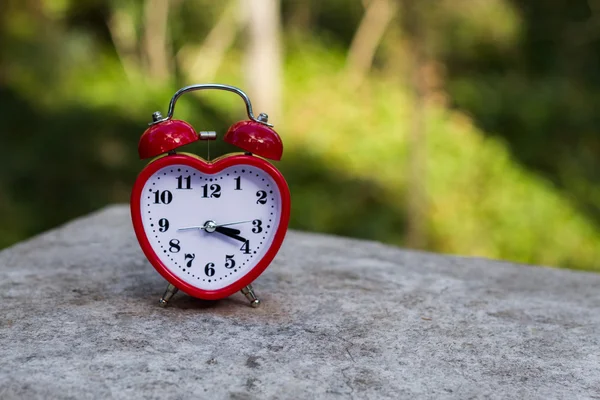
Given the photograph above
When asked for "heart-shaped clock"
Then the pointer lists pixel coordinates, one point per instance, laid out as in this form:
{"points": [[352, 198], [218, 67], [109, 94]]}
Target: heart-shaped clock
{"points": [[210, 228]]}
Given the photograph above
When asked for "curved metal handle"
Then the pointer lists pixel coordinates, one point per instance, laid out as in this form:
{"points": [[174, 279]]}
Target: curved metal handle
{"points": [[262, 118]]}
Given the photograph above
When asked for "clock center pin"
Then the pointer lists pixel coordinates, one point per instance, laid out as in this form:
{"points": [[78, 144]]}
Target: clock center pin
{"points": [[210, 226]]}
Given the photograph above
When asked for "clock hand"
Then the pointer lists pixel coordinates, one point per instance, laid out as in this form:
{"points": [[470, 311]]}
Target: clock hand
{"points": [[232, 233], [224, 230], [189, 228], [235, 223], [230, 230]]}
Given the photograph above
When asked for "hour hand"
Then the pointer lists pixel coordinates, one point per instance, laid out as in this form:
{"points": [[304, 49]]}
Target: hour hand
{"points": [[224, 230], [232, 233]]}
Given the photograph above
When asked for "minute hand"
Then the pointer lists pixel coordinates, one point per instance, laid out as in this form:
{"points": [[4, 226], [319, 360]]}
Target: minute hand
{"points": [[234, 223], [230, 233]]}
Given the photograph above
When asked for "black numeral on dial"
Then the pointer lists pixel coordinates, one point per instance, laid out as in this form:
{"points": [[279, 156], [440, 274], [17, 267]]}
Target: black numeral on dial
{"points": [[209, 270], [216, 190], [164, 197], [174, 246], [238, 183], [163, 224], [229, 261], [184, 183], [246, 247], [191, 258], [262, 197], [257, 223]]}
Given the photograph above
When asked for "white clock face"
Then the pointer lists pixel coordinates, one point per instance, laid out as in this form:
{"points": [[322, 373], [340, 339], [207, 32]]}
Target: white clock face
{"points": [[210, 230]]}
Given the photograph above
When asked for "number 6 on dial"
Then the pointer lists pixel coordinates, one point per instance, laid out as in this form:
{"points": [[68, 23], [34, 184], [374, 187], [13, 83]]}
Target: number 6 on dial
{"points": [[210, 228]]}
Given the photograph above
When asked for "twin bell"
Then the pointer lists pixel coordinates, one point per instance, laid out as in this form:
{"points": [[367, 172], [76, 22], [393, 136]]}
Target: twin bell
{"points": [[253, 136]]}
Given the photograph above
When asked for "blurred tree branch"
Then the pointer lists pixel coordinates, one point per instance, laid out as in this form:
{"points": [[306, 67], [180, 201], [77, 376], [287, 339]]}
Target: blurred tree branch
{"points": [[263, 55], [200, 63], [121, 27], [417, 151], [367, 38], [301, 15], [155, 41]]}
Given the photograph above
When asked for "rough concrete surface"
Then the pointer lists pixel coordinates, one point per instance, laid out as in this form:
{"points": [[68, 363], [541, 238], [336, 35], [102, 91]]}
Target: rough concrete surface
{"points": [[340, 318]]}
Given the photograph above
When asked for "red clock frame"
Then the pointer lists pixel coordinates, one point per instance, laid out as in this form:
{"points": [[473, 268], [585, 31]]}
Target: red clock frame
{"points": [[209, 168]]}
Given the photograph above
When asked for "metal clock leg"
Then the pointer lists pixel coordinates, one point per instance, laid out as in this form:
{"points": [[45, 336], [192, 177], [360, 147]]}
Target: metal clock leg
{"points": [[249, 293], [169, 293]]}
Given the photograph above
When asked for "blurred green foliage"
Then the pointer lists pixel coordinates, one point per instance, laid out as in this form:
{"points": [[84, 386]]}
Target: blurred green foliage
{"points": [[509, 115]]}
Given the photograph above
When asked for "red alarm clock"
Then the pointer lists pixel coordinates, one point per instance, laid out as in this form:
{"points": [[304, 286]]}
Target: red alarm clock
{"points": [[210, 228]]}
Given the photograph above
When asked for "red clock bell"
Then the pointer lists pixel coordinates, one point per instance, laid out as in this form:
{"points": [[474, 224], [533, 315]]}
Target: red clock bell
{"points": [[210, 228]]}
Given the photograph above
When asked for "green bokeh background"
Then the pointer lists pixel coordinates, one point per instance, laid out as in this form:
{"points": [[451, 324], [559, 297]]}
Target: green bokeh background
{"points": [[508, 109]]}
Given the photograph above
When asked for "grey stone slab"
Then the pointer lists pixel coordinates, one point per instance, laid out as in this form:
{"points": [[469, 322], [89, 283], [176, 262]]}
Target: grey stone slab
{"points": [[341, 318]]}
